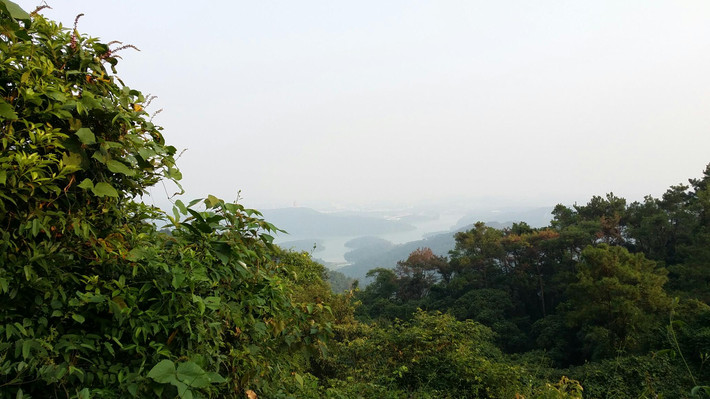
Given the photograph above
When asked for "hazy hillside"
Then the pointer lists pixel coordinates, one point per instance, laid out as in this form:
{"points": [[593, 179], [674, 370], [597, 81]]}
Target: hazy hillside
{"points": [[535, 217], [306, 222], [371, 252]]}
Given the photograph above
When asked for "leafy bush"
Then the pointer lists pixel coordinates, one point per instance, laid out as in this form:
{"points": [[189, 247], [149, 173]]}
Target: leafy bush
{"points": [[432, 353], [96, 300], [634, 377]]}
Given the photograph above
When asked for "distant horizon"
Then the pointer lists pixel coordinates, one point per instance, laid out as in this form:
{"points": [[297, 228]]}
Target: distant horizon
{"points": [[480, 203], [372, 104]]}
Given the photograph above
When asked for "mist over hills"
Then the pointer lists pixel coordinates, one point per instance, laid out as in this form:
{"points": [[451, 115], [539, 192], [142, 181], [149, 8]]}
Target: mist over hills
{"points": [[307, 222], [535, 217], [354, 242], [372, 252]]}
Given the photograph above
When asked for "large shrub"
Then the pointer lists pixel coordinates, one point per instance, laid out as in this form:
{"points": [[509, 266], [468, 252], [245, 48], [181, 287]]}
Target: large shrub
{"points": [[95, 299], [432, 354]]}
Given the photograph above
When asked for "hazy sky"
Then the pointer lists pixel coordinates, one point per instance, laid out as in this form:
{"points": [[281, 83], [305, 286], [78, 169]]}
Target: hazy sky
{"points": [[328, 102]]}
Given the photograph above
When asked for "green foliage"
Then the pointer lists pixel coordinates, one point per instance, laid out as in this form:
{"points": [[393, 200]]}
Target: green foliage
{"points": [[563, 389], [339, 282], [634, 377], [96, 300], [432, 353], [617, 301]]}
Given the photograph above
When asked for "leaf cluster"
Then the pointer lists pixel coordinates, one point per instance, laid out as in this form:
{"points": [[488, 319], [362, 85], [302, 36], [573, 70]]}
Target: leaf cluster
{"points": [[104, 296]]}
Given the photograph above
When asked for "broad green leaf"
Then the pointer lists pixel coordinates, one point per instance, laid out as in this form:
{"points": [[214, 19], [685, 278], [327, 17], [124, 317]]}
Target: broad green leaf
{"points": [[119, 167], [215, 378], [211, 201], [146, 153], [136, 254], [101, 157], [184, 391], [79, 318], [133, 389], [86, 136], [299, 379], [86, 184], [212, 302], [16, 11], [179, 204], [103, 189], [163, 372], [6, 110], [200, 303], [55, 95], [72, 159], [173, 173], [192, 374], [177, 280], [3, 177]]}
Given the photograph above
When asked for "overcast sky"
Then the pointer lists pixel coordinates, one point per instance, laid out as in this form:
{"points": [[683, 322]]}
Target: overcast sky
{"points": [[328, 102]]}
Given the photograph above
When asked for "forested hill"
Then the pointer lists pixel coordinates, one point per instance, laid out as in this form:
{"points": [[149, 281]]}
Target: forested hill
{"points": [[595, 287]]}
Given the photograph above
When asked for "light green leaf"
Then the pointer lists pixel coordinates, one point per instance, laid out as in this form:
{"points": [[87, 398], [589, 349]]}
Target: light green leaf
{"points": [[3, 177], [211, 201], [79, 318], [84, 394], [136, 254], [55, 95], [146, 153], [200, 303], [212, 302], [184, 391], [163, 372], [103, 189], [119, 167], [86, 136], [299, 379], [173, 173], [6, 111], [86, 184], [215, 378], [72, 159], [16, 11], [192, 374], [103, 158]]}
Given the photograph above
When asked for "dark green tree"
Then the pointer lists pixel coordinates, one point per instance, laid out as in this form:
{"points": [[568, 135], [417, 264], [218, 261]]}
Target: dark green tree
{"points": [[618, 301]]}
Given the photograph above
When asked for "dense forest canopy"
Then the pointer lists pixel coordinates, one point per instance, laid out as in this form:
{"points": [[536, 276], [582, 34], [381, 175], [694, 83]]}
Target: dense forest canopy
{"points": [[103, 296]]}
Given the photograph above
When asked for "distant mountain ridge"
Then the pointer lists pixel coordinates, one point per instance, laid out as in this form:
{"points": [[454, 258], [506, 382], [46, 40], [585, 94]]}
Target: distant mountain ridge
{"points": [[373, 252], [307, 227], [307, 222]]}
